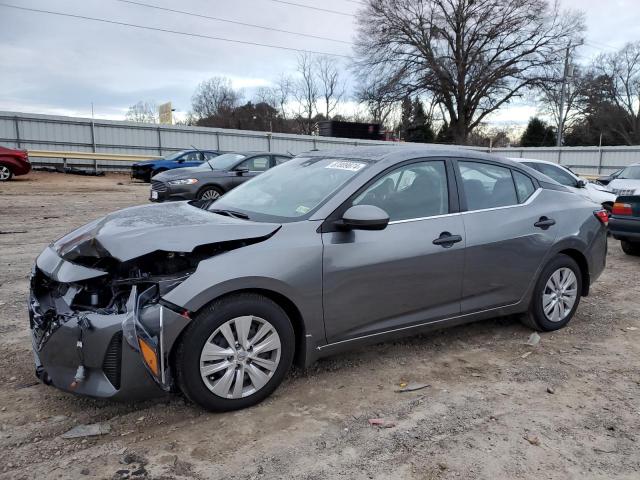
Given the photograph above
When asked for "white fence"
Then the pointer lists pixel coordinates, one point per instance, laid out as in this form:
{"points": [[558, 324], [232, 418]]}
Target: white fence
{"points": [[45, 132]]}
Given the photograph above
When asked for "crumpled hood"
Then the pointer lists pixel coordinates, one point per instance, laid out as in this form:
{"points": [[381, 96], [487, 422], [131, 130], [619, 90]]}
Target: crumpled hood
{"points": [[189, 172], [173, 227]]}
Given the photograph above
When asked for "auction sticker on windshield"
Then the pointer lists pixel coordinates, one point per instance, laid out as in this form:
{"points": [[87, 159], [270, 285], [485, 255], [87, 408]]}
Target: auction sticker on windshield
{"points": [[345, 165]]}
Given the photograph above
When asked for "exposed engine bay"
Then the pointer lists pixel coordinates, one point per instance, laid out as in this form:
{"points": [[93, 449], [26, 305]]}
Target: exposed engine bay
{"points": [[108, 294]]}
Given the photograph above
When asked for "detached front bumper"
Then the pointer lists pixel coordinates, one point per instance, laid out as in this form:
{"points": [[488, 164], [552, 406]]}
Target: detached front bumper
{"points": [[100, 354], [141, 172]]}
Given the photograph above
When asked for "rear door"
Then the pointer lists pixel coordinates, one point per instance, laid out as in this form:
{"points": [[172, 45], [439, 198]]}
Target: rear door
{"points": [[508, 234], [407, 274]]}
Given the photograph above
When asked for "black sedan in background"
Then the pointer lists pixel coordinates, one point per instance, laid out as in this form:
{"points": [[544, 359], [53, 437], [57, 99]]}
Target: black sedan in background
{"points": [[214, 177], [184, 158], [624, 223]]}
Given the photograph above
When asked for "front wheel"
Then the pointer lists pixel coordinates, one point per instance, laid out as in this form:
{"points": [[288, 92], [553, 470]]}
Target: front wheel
{"points": [[556, 295], [209, 193], [630, 248], [5, 173], [235, 353]]}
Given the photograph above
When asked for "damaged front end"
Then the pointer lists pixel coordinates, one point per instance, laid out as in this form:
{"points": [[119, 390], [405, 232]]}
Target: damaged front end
{"points": [[96, 331], [99, 324]]}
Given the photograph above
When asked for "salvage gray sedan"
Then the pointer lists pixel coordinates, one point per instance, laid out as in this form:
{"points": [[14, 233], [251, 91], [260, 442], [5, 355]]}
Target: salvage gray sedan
{"points": [[323, 253]]}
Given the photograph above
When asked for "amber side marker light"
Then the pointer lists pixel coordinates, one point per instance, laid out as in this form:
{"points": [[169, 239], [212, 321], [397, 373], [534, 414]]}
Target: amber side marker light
{"points": [[149, 356]]}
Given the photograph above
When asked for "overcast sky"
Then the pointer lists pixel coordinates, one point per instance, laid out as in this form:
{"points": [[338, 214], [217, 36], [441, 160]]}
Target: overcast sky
{"points": [[59, 65]]}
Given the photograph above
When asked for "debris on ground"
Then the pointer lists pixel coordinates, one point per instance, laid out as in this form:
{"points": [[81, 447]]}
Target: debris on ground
{"points": [[411, 387], [92, 430], [631, 329], [534, 339], [525, 355], [381, 422], [551, 390], [532, 439]]}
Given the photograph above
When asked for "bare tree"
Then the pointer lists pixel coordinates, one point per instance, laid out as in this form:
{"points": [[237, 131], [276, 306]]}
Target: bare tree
{"points": [[332, 89], [474, 56], [379, 101], [143, 112], [621, 72], [550, 94], [278, 95], [214, 97], [306, 92]]}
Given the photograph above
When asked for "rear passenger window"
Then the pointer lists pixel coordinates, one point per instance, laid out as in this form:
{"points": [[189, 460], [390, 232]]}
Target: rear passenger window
{"points": [[524, 186], [487, 186]]}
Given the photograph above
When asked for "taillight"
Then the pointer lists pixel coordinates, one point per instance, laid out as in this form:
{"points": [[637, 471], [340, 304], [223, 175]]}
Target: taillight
{"points": [[620, 208], [603, 216]]}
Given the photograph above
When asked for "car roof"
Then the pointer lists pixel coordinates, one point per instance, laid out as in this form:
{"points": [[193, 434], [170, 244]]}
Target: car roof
{"points": [[247, 153], [395, 153]]}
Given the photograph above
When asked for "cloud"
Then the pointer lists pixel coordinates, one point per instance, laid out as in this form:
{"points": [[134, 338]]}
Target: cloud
{"points": [[54, 64]]}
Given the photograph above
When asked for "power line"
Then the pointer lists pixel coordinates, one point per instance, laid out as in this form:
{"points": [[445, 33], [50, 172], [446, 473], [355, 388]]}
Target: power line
{"points": [[175, 32], [218, 19], [301, 5]]}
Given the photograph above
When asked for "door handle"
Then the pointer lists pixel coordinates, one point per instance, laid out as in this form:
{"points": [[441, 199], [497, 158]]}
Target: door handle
{"points": [[544, 223], [447, 240]]}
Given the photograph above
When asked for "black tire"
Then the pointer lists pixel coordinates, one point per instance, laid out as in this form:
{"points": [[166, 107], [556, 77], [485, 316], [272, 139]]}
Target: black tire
{"points": [[187, 360], [6, 173], [630, 248], [208, 193], [535, 317]]}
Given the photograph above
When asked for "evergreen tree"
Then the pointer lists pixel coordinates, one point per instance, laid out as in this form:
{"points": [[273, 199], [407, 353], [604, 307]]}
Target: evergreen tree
{"points": [[538, 134], [420, 127]]}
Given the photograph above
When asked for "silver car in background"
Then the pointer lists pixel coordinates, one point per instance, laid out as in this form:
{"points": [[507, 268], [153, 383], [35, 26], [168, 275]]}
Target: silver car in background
{"points": [[326, 252]]}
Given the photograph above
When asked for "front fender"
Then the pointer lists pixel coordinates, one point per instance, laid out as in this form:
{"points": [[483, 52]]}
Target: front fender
{"points": [[289, 264]]}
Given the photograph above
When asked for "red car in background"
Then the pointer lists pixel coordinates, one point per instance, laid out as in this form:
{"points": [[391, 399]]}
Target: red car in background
{"points": [[13, 162]]}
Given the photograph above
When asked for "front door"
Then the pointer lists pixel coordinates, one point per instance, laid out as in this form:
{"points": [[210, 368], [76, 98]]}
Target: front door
{"points": [[255, 166], [375, 281]]}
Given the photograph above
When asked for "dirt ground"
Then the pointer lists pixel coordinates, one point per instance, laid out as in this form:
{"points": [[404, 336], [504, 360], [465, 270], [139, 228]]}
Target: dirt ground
{"points": [[569, 409]]}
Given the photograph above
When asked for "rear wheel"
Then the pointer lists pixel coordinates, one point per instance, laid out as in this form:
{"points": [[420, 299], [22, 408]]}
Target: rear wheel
{"points": [[5, 173], [630, 248], [235, 353], [556, 295], [209, 193]]}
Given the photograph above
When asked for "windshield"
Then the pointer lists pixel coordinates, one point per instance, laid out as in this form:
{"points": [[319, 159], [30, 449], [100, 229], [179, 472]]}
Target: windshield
{"points": [[225, 161], [630, 173], [175, 155], [291, 190]]}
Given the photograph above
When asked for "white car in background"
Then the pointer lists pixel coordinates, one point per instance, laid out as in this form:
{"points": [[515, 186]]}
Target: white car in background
{"points": [[627, 182], [598, 193]]}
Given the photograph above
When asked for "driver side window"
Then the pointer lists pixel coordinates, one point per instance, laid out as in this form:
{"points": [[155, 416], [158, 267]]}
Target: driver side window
{"points": [[413, 191], [558, 174], [256, 164], [190, 157]]}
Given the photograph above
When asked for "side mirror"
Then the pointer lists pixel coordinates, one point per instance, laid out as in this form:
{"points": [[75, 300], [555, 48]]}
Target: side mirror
{"points": [[181, 160], [364, 217], [581, 184], [241, 171]]}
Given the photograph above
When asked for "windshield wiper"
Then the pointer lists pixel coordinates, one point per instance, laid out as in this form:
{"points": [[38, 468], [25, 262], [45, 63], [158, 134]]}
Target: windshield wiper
{"points": [[230, 213]]}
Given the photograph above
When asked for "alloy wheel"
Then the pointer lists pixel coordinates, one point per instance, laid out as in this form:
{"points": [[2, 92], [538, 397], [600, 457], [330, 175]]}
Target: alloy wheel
{"points": [[560, 294], [5, 173], [240, 357], [210, 195]]}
